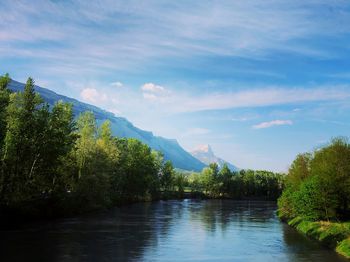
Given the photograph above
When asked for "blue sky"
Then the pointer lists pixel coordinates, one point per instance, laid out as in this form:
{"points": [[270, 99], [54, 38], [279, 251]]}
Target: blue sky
{"points": [[260, 81]]}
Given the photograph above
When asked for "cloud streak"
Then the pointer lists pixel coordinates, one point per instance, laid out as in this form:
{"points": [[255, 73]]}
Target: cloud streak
{"points": [[260, 97], [134, 33], [272, 123], [153, 88], [117, 84], [159, 100]]}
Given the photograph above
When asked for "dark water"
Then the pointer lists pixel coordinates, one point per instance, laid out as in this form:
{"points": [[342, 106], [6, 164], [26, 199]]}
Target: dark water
{"points": [[187, 230]]}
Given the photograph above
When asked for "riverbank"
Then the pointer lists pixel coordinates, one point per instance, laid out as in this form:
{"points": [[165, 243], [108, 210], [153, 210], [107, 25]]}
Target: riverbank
{"points": [[332, 234], [71, 205], [52, 208]]}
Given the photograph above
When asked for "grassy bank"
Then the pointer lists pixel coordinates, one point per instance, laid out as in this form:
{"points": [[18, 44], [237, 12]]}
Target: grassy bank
{"points": [[334, 235]]}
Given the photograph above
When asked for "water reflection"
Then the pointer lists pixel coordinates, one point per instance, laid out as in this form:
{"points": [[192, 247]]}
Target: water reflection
{"points": [[212, 230]]}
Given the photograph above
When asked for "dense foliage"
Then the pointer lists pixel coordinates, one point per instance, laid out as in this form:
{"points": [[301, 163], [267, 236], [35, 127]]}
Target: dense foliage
{"points": [[238, 185], [48, 157], [318, 184], [51, 161]]}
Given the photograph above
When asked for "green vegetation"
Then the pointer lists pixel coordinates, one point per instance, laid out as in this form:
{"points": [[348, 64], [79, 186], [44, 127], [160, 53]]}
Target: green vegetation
{"points": [[55, 164], [344, 248], [238, 185], [317, 194], [332, 234]]}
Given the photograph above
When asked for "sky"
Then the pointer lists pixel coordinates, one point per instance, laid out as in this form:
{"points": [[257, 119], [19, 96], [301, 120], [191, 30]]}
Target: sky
{"points": [[260, 81]]}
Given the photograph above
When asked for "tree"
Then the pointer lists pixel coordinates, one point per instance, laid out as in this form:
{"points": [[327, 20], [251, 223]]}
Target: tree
{"points": [[94, 154], [35, 144], [214, 169], [319, 184], [141, 171], [56, 145], [25, 114], [180, 182], [207, 180], [225, 178], [4, 101], [331, 165], [299, 170], [86, 142], [167, 176]]}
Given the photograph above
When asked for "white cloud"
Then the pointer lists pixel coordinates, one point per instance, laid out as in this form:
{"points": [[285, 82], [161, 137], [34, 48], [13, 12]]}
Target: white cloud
{"points": [[273, 123], [93, 96], [240, 119], [152, 31], [154, 92], [149, 96], [117, 84], [152, 88], [260, 97]]}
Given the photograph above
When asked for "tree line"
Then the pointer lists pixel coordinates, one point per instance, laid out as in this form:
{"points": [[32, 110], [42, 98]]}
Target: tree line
{"points": [[47, 155], [51, 159], [243, 184], [318, 184]]}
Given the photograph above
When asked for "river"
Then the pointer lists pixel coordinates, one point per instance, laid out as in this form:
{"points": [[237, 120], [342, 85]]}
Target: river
{"points": [[185, 230]]}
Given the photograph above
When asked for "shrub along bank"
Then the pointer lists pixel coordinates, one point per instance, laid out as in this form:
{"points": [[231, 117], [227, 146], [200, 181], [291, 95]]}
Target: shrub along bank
{"points": [[317, 195]]}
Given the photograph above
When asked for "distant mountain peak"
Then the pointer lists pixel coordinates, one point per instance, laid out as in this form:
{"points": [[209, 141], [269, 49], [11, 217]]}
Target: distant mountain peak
{"points": [[205, 154], [204, 148]]}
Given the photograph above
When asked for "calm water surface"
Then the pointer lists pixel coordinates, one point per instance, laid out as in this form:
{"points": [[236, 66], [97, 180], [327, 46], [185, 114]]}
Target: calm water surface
{"points": [[187, 230]]}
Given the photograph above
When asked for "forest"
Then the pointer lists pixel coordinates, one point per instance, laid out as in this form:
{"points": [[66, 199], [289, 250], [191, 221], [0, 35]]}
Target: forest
{"points": [[316, 198], [54, 162], [318, 184]]}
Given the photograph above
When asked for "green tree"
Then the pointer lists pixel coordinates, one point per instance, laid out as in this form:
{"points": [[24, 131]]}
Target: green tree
{"points": [[331, 165], [319, 184], [167, 176], [299, 170], [58, 142], [4, 101], [141, 171], [226, 182], [86, 142], [94, 154], [180, 181], [25, 115]]}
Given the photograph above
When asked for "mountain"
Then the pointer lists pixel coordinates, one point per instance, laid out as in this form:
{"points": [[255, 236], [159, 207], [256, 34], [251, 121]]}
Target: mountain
{"points": [[205, 154], [121, 127]]}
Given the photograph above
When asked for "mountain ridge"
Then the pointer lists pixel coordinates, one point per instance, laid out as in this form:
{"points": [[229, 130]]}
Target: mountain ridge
{"points": [[205, 154], [121, 127]]}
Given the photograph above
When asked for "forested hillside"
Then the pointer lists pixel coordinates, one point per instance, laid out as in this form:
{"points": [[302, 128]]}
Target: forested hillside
{"points": [[121, 127]]}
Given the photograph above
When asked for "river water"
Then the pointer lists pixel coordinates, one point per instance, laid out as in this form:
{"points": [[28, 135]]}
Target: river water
{"points": [[185, 230]]}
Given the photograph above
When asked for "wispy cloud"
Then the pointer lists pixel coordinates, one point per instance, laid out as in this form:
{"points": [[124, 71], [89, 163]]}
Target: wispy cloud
{"points": [[93, 96], [260, 97], [153, 88], [126, 34], [232, 58], [273, 123], [117, 84], [169, 101]]}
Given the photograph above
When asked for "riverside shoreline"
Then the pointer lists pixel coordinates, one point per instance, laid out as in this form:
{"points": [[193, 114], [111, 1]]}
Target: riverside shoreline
{"points": [[332, 234]]}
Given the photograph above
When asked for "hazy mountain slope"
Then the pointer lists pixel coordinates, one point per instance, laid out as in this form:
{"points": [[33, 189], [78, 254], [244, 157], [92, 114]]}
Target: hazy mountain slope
{"points": [[205, 154], [123, 128]]}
